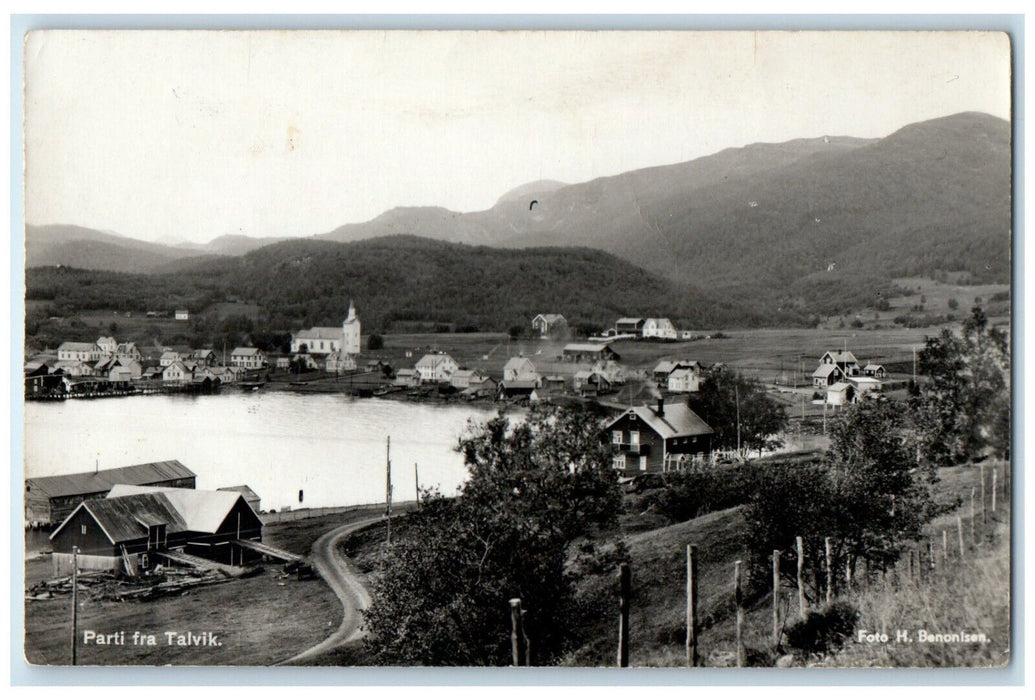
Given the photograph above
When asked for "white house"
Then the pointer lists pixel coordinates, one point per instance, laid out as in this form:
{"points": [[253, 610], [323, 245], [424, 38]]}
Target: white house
{"points": [[129, 350], [465, 378], [406, 378], [341, 362], [107, 345], [845, 361], [684, 380], [182, 315], [660, 328], [521, 369], [168, 357], [841, 394], [78, 352], [436, 367], [248, 358], [550, 325], [178, 372]]}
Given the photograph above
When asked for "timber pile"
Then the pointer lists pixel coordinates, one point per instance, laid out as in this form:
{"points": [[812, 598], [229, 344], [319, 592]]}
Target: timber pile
{"points": [[163, 581]]}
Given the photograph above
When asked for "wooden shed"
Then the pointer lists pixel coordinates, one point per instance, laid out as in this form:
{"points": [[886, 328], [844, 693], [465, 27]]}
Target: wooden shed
{"points": [[49, 499]]}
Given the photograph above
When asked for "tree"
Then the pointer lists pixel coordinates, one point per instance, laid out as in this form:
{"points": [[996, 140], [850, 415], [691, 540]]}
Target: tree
{"points": [[722, 396], [375, 342], [963, 405], [534, 489], [864, 494]]}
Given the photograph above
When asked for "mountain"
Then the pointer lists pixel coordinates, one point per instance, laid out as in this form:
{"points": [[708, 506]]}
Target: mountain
{"points": [[396, 279], [806, 222], [78, 246], [231, 244]]}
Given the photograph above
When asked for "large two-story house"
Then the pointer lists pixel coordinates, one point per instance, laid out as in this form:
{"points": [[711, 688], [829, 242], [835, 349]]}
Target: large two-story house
{"points": [[658, 438]]}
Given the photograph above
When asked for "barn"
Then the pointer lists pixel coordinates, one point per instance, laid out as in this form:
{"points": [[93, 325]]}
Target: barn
{"points": [[49, 499], [589, 352], [133, 524]]}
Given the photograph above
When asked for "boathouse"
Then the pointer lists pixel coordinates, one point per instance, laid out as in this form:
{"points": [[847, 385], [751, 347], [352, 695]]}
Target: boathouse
{"points": [[127, 529], [49, 499]]}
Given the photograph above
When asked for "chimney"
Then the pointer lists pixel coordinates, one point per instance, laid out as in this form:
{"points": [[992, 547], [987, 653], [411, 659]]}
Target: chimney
{"points": [[661, 406]]}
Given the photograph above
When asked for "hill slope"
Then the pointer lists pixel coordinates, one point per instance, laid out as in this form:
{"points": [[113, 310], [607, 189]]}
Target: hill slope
{"points": [[403, 278]]}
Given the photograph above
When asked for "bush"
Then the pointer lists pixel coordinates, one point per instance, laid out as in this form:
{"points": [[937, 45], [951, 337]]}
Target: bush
{"points": [[823, 631], [375, 342]]}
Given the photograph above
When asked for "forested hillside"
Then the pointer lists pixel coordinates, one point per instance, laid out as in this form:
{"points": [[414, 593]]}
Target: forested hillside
{"points": [[400, 279]]}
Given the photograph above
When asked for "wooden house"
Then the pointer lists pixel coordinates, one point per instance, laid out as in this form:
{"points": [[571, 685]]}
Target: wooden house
{"points": [[658, 438], [550, 326], [659, 329], [521, 369], [591, 383], [318, 340], [632, 326], [78, 352], [827, 375], [589, 352], [841, 394], [876, 371], [435, 368], [248, 358], [49, 499], [684, 380], [133, 526]]}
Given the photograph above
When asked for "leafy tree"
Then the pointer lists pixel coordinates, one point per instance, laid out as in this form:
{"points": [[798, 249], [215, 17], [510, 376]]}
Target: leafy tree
{"points": [[865, 495], [722, 396], [963, 405], [375, 342], [534, 489]]}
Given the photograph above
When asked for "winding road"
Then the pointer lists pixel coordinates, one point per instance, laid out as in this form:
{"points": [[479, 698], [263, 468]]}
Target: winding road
{"points": [[338, 574]]}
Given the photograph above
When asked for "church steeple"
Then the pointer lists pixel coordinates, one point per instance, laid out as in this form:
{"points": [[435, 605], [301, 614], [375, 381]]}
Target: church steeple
{"points": [[352, 312]]}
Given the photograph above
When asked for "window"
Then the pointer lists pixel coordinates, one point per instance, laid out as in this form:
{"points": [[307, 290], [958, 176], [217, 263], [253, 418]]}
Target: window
{"points": [[82, 529], [634, 437], [616, 437], [618, 462], [643, 463]]}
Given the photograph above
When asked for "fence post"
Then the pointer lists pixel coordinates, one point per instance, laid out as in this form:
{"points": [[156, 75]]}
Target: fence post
{"points": [[692, 658], [959, 528], [75, 602], [973, 515], [525, 640], [776, 598], [801, 576], [984, 511], [945, 546], [848, 574], [625, 585], [830, 569], [995, 474], [738, 599], [515, 638], [931, 554]]}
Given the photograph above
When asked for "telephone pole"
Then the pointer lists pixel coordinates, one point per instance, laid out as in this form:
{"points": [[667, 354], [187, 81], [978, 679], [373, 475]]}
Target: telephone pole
{"points": [[388, 488]]}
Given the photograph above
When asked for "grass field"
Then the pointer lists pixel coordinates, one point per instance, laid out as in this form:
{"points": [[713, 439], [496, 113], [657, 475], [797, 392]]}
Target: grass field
{"points": [[260, 620]]}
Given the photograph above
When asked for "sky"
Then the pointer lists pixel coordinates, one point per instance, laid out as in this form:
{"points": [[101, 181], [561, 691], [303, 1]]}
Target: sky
{"points": [[186, 136]]}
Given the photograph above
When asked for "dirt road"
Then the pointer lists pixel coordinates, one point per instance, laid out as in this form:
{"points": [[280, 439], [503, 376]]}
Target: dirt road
{"points": [[338, 574]]}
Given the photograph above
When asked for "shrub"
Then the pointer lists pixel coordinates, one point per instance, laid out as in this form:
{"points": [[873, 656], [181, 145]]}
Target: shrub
{"points": [[823, 631]]}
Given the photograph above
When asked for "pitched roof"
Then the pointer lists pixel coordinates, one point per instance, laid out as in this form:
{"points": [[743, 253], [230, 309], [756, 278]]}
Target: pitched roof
{"points": [[434, 360], [243, 489], [102, 481], [629, 320], [678, 420], [516, 363], [246, 351], [665, 366], [550, 318], [201, 511], [842, 357], [125, 518], [837, 387], [77, 346], [584, 347], [826, 370], [872, 367], [320, 333], [681, 373]]}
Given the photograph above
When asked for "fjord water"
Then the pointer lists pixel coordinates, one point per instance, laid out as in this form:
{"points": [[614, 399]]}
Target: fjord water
{"points": [[331, 447]]}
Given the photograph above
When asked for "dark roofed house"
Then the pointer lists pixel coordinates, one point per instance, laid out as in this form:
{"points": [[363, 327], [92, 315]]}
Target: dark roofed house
{"points": [[49, 499], [659, 438], [589, 352], [134, 523], [550, 325]]}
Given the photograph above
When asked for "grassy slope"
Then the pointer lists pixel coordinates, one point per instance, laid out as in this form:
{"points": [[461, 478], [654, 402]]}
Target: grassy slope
{"points": [[975, 597], [261, 620]]}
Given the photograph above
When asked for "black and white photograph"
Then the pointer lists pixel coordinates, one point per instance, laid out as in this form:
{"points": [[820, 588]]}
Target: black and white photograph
{"points": [[561, 348]]}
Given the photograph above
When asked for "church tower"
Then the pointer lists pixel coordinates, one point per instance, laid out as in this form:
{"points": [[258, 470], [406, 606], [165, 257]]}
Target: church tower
{"points": [[350, 332]]}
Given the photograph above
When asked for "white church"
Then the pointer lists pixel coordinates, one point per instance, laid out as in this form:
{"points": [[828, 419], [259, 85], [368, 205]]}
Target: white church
{"points": [[339, 346]]}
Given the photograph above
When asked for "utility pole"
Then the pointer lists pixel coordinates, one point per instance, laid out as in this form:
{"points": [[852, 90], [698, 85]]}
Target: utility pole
{"points": [[416, 482], [75, 601], [388, 488], [736, 392]]}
